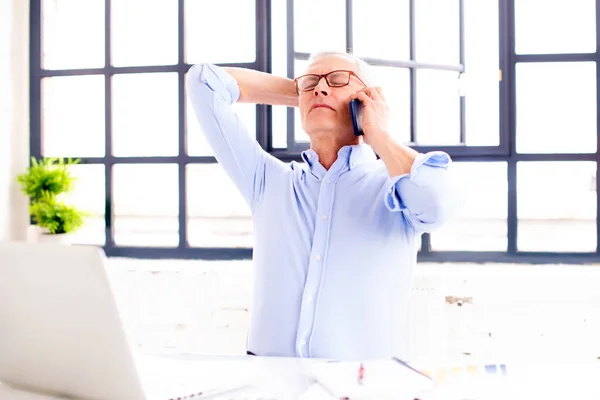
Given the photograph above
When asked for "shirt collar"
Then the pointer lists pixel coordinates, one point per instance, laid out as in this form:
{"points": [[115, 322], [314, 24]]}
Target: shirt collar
{"points": [[360, 154], [351, 155]]}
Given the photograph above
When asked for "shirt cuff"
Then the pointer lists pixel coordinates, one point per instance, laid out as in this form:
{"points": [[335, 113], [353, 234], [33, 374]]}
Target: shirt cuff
{"points": [[219, 81], [436, 159]]}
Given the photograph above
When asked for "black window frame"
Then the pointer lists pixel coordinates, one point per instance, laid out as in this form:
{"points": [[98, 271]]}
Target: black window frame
{"points": [[505, 151]]}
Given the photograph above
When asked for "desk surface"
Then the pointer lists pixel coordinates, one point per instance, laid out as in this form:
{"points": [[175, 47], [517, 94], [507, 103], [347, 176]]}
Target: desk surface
{"points": [[288, 375], [275, 372]]}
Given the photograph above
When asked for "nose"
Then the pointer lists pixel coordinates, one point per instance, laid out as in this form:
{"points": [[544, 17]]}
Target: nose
{"points": [[322, 88]]}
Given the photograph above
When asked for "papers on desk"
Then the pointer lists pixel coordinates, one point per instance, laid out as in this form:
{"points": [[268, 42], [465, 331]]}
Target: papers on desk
{"points": [[525, 380], [382, 379], [283, 379]]}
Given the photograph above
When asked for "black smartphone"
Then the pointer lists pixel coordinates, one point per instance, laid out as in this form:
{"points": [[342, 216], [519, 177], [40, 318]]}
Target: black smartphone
{"points": [[356, 114]]}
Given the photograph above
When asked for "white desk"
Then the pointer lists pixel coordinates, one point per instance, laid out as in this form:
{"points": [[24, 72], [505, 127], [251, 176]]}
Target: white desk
{"points": [[274, 377], [286, 378], [270, 377]]}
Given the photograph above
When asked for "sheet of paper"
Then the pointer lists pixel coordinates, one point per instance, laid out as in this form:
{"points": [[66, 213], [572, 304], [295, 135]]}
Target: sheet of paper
{"points": [[382, 379]]}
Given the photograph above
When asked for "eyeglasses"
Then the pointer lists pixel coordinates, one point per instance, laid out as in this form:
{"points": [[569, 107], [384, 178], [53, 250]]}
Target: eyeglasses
{"points": [[337, 78]]}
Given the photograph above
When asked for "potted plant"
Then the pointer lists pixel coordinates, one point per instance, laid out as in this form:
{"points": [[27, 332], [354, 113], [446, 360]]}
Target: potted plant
{"points": [[57, 219], [45, 182]]}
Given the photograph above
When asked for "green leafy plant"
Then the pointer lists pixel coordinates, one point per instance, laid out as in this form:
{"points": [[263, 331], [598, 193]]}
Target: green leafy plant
{"points": [[49, 175], [55, 216], [44, 182]]}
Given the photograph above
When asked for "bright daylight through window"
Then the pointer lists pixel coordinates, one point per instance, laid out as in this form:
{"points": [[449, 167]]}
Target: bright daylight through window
{"points": [[518, 117]]}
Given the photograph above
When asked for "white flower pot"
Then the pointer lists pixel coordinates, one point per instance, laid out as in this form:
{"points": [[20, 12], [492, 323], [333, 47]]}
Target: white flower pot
{"points": [[34, 232], [62, 238]]}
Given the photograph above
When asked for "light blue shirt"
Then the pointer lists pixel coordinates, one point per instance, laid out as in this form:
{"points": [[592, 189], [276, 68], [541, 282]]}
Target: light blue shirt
{"points": [[334, 250]]}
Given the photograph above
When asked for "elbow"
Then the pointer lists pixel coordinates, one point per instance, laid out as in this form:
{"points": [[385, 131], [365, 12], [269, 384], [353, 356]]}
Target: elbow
{"points": [[439, 209], [435, 215]]}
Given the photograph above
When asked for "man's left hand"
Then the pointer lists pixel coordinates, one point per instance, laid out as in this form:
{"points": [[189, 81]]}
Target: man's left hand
{"points": [[375, 114]]}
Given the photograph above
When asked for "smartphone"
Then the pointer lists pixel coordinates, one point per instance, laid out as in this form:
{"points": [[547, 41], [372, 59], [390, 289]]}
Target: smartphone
{"points": [[356, 114]]}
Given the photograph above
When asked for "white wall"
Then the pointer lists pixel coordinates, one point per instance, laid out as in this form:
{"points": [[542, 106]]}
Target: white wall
{"points": [[14, 115]]}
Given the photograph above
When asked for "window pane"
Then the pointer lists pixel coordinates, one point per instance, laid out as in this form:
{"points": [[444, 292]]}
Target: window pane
{"points": [[89, 196], [556, 206], [299, 134], [196, 139], [205, 19], [279, 65], [392, 26], [73, 116], [480, 82], [279, 33], [145, 115], [144, 32], [146, 205], [481, 225], [218, 216], [300, 67], [280, 127], [438, 107], [309, 35], [395, 83], [437, 31], [72, 34], [545, 27], [556, 107]]}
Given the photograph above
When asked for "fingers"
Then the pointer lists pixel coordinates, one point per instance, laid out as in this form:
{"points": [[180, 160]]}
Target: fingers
{"points": [[380, 93], [370, 94], [362, 96], [374, 93]]}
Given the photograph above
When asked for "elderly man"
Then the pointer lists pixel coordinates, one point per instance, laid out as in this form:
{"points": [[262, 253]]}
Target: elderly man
{"points": [[336, 236]]}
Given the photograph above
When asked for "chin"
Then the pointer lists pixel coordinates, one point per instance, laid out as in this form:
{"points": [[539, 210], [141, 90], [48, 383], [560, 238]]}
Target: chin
{"points": [[321, 125]]}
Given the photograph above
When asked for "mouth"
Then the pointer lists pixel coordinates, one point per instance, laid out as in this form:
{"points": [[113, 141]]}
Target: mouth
{"points": [[315, 106]]}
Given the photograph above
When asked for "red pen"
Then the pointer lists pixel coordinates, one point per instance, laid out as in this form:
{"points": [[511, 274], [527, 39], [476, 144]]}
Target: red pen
{"points": [[361, 374]]}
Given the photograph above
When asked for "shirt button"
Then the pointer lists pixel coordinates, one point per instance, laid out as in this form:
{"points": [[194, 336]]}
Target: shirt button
{"points": [[323, 217], [353, 164], [308, 155], [318, 257], [303, 342], [310, 299], [327, 180]]}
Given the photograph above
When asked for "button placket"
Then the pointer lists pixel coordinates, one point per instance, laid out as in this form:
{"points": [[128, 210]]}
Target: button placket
{"points": [[315, 270]]}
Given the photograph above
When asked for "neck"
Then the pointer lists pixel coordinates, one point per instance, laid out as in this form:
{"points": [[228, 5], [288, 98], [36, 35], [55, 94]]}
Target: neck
{"points": [[327, 148]]}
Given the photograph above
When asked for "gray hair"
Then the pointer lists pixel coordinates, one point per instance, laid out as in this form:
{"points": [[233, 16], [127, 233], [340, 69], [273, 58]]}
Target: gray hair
{"points": [[365, 71]]}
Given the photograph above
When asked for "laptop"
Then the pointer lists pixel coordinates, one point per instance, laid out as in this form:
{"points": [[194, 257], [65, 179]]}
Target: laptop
{"points": [[61, 334]]}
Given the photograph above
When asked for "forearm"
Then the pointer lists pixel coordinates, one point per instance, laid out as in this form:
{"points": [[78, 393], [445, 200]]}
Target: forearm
{"points": [[397, 157], [263, 88]]}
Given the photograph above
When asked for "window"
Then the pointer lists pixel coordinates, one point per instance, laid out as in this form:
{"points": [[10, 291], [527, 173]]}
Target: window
{"points": [[562, 29], [548, 120], [482, 225], [515, 109], [119, 104], [556, 203], [434, 94]]}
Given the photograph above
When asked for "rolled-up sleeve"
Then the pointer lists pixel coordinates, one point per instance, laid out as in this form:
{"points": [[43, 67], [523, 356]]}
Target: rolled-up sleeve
{"points": [[428, 195], [212, 91]]}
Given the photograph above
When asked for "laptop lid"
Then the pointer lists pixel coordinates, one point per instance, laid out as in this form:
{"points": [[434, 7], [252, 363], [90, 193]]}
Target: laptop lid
{"points": [[60, 330]]}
